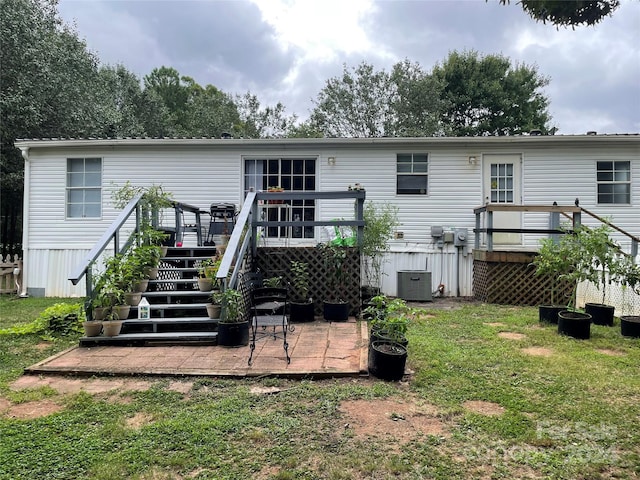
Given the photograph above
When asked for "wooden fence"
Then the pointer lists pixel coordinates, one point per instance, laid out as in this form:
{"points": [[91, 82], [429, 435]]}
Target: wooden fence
{"points": [[10, 274]]}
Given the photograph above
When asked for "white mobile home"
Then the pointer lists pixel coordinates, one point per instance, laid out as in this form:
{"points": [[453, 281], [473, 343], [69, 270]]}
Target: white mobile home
{"points": [[435, 182]]}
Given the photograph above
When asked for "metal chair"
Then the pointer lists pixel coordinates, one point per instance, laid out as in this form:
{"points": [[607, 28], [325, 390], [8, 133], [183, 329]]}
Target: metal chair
{"points": [[269, 317]]}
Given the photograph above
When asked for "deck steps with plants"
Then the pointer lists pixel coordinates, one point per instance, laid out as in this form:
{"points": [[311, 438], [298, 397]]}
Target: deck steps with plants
{"points": [[178, 308]]}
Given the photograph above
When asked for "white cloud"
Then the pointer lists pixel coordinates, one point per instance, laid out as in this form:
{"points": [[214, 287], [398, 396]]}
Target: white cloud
{"points": [[321, 29]]}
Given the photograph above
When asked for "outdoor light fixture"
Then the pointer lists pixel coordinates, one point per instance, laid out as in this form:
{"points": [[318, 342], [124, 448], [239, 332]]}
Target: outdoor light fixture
{"points": [[331, 161], [473, 159]]}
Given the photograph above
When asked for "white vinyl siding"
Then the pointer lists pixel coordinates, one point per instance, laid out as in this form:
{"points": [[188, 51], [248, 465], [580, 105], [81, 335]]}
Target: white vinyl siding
{"points": [[84, 188], [200, 173]]}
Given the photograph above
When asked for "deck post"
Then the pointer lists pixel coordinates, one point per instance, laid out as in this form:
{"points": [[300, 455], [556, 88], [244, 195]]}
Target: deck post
{"points": [[489, 231], [554, 224]]}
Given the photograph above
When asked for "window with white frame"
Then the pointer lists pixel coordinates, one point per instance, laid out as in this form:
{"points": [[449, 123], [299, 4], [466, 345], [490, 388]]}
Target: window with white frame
{"points": [[502, 186], [412, 173], [84, 188], [614, 182], [291, 174]]}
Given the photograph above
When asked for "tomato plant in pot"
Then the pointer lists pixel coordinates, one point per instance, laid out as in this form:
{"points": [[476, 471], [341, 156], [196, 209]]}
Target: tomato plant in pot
{"points": [[335, 306], [606, 260], [570, 321], [554, 261], [301, 308], [380, 221], [388, 319], [233, 327], [629, 278]]}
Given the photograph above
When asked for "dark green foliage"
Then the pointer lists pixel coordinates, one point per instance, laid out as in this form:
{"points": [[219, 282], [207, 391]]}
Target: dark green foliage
{"points": [[568, 12], [486, 95]]}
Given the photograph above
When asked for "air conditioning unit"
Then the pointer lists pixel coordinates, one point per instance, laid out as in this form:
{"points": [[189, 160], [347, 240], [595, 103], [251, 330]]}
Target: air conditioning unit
{"points": [[415, 285]]}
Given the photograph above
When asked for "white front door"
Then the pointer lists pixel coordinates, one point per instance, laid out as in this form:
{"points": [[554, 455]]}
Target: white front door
{"points": [[502, 184]]}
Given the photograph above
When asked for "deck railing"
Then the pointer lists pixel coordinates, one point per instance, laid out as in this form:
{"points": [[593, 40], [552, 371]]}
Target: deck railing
{"points": [[572, 212], [245, 233]]}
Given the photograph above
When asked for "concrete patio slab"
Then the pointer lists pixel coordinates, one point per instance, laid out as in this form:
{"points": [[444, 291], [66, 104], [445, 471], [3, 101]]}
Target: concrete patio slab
{"points": [[318, 349]]}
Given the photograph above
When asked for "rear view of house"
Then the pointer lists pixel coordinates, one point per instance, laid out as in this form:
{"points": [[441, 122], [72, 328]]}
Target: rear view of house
{"points": [[436, 183]]}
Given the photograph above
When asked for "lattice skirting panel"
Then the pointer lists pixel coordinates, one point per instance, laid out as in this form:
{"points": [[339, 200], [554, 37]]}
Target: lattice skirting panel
{"points": [[510, 279], [276, 262]]}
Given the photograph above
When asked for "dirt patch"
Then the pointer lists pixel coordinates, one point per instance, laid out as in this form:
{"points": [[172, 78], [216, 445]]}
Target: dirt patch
{"points": [[403, 421], [611, 353], [484, 408], [181, 387], [42, 346], [512, 335], [495, 324], [4, 405], [139, 420], [29, 410], [538, 351]]}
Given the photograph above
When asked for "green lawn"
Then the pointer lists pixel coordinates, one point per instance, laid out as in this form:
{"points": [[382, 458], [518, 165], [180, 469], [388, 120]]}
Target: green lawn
{"points": [[550, 407]]}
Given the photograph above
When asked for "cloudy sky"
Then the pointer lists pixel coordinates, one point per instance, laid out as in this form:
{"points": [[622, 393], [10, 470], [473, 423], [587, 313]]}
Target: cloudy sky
{"points": [[285, 50]]}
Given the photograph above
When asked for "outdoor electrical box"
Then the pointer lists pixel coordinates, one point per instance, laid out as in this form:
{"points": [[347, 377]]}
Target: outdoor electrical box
{"points": [[414, 285], [437, 231], [460, 238], [448, 237]]}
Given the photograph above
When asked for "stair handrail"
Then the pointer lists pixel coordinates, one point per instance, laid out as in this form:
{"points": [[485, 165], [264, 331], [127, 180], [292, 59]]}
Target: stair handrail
{"points": [[111, 234], [235, 248], [634, 240]]}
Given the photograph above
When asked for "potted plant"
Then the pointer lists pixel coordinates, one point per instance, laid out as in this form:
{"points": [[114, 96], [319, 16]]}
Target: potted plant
{"points": [[388, 342], [387, 359], [233, 328], [301, 308], [380, 221], [629, 278], [207, 272], [335, 307], [117, 275], [604, 259], [389, 319], [112, 324], [554, 260], [275, 189], [215, 307]]}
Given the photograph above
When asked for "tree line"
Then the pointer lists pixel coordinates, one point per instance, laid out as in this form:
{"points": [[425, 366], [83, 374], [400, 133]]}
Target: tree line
{"points": [[53, 86]]}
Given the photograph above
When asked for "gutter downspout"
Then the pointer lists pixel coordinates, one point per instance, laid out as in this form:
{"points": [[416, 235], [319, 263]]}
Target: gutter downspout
{"points": [[25, 220]]}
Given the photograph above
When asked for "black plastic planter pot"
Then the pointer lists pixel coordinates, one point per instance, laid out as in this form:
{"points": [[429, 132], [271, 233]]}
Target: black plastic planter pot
{"points": [[336, 312], [387, 360], [574, 324], [549, 313], [630, 326], [301, 312], [601, 314], [233, 334]]}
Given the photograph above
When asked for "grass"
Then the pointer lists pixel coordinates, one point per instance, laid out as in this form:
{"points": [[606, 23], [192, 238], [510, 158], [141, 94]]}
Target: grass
{"points": [[571, 414]]}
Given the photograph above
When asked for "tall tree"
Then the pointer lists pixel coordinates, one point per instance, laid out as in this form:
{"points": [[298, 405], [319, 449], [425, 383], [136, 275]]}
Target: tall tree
{"points": [[355, 104], [488, 96], [47, 82], [121, 102], [418, 101], [257, 121], [365, 102], [568, 12]]}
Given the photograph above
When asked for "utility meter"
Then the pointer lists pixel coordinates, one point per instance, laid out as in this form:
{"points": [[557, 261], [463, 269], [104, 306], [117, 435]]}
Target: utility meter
{"points": [[460, 237]]}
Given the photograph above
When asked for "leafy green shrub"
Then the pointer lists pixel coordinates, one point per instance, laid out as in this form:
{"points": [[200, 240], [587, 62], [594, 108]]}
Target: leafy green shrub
{"points": [[60, 319]]}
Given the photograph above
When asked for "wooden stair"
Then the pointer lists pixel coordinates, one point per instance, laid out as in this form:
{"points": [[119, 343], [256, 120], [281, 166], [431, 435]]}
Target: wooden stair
{"points": [[178, 307]]}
